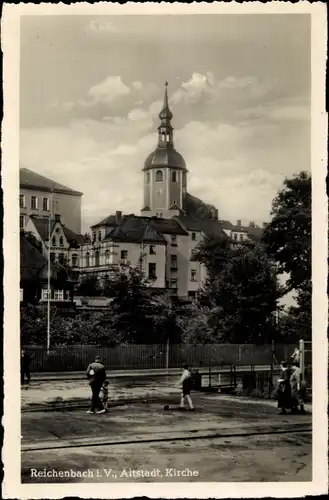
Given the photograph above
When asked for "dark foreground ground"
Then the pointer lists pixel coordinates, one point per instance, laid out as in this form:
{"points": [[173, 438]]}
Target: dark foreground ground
{"points": [[225, 439]]}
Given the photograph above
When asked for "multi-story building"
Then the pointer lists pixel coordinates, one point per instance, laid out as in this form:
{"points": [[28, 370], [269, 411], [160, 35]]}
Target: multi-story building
{"points": [[163, 239], [39, 196], [64, 244]]}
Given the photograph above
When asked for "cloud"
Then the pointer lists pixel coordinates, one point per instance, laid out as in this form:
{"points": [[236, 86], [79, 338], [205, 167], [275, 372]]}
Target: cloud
{"points": [[108, 90], [236, 161], [207, 87]]}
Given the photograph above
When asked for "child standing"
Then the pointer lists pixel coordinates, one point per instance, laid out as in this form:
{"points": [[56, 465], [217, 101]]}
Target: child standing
{"points": [[105, 394], [186, 383]]}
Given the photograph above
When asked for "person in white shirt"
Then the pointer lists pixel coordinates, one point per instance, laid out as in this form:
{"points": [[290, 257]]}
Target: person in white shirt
{"points": [[186, 383]]}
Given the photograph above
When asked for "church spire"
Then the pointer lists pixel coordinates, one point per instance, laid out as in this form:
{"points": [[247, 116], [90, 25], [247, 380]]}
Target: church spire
{"points": [[165, 115]]}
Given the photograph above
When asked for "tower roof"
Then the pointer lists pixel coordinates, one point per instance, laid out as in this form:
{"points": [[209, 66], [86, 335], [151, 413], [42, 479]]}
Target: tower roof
{"points": [[165, 155], [165, 114]]}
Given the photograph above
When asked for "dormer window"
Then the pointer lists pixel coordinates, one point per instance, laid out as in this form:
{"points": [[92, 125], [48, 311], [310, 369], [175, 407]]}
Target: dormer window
{"points": [[159, 176], [53, 241], [61, 241]]}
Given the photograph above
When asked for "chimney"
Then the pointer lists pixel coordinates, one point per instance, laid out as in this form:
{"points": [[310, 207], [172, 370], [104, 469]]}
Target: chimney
{"points": [[118, 215], [214, 213], [238, 223], [251, 224], [57, 218]]}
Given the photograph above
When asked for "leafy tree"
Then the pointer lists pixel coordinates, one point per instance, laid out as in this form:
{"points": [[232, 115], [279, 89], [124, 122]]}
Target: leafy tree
{"points": [[288, 235], [243, 297], [165, 319], [197, 325], [214, 252], [89, 287], [130, 312]]}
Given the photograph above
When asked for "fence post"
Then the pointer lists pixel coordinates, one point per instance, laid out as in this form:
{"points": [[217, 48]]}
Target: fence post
{"points": [[302, 358], [167, 357], [209, 371], [219, 382], [272, 367]]}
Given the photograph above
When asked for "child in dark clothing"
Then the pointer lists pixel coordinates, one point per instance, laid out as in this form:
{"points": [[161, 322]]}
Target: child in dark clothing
{"points": [[105, 394]]}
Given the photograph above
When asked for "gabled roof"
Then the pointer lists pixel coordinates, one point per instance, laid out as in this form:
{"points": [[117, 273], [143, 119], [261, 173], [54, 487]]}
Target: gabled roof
{"points": [[210, 227], [72, 237], [134, 229], [167, 226], [161, 226], [42, 226], [31, 260], [254, 232], [31, 180], [110, 220], [174, 206]]}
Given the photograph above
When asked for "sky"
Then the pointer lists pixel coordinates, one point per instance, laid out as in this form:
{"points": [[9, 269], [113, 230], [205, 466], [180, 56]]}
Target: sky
{"points": [[91, 89]]}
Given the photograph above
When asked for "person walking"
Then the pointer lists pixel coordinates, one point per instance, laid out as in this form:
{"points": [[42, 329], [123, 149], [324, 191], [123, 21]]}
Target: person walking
{"points": [[297, 389], [186, 384], [25, 367], [96, 374], [284, 389]]}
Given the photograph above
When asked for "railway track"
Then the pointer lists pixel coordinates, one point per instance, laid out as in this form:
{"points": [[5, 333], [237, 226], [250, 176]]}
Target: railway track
{"points": [[190, 435]]}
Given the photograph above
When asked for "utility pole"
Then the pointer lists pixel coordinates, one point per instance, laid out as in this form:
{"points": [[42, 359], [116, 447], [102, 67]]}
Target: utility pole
{"points": [[49, 270]]}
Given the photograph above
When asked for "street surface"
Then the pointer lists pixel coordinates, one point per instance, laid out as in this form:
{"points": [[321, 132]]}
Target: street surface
{"points": [[225, 439]]}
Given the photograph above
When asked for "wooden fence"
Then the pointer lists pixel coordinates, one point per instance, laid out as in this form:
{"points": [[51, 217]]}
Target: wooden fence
{"points": [[132, 356]]}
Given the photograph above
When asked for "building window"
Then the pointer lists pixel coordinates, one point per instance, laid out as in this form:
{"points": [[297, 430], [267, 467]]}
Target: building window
{"points": [[52, 257], [235, 236], [124, 256], [97, 258], [87, 260], [34, 203], [173, 240], [21, 222], [45, 294], [192, 294], [148, 178], [173, 262], [53, 241], [152, 250], [45, 204], [152, 270], [193, 275], [99, 235], [159, 176], [21, 201], [107, 257], [193, 236], [94, 237], [74, 260], [61, 241], [173, 283], [59, 295], [174, 176], [61, 258]]}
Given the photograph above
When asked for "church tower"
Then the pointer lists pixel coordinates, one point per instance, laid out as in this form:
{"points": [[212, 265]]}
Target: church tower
{"points": [[164, 172]]}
